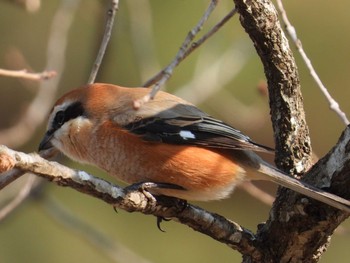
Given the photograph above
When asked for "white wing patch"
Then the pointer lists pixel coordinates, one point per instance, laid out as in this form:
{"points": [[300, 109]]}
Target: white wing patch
{"points": [[187, 135]]}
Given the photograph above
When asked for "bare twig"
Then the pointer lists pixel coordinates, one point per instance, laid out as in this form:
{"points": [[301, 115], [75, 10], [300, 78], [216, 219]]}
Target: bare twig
{"points": [[36, 112], [113, 249], [28, 75], [15, 59], [293, 34], [193, 46], [211, 224], [112, 10], [168, 71]]}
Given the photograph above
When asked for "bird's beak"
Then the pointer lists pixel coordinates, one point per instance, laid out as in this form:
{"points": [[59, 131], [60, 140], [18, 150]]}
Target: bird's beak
{"points": [[45, 143]]}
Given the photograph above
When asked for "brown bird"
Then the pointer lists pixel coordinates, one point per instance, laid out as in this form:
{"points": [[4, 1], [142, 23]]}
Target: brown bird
{"points": [[167, 141]]}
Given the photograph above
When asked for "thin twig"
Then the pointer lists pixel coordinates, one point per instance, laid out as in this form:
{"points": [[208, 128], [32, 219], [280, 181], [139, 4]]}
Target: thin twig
{"points": [[194, 46], [168, 71], [293, 34], [112, 10], [28, 75]]}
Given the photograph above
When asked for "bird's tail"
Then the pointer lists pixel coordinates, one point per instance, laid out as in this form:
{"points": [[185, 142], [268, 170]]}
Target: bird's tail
{"points": [[273, 174]]}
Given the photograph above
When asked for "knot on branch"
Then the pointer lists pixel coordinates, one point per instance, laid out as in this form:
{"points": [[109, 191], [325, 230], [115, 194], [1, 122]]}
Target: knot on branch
{"points": [[6, 163], [144, 202]]}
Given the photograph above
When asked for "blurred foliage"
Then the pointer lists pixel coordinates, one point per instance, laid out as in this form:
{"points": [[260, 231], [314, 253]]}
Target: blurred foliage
{"points": [[31, 235]]}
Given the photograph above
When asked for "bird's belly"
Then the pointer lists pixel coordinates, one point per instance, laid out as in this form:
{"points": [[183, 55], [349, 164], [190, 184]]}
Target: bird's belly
{"points": [[204, 173]]}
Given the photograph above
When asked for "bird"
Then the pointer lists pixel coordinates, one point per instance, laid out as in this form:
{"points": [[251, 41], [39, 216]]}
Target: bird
{"points": [[167, 141]]}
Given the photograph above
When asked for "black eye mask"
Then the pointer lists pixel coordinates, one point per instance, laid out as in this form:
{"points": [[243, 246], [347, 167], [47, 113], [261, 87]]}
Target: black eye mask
{"points": [[72, 111]]}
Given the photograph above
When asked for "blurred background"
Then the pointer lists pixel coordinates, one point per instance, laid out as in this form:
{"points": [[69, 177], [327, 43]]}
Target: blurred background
{"points": [[224, 77]]}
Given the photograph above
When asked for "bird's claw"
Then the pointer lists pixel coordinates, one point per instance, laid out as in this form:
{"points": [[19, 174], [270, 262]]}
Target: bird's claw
{"points": [[145, 188], [160, 219]]}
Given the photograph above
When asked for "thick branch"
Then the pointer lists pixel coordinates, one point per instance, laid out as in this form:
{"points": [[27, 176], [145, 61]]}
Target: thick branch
{"points": [[211, 224], [301, 232], [293, 149], [295, 231]]}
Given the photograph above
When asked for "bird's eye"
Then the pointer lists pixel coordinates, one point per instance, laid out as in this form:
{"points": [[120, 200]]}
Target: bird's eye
{"points": [[63, 116], [59, 118]]}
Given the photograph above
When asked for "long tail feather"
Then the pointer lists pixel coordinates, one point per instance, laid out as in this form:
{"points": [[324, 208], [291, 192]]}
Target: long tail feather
{"points": [[272, 174]]}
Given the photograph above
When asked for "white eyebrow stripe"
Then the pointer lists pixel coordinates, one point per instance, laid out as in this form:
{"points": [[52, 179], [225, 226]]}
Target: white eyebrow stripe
{"points": [[187, 135]]}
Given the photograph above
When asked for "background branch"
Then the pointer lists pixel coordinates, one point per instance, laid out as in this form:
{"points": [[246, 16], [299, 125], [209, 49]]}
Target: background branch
{"points": [[27, 75]]}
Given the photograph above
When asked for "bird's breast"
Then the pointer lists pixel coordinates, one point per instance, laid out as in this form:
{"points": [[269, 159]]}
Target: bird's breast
{"points": [[204, 173]]}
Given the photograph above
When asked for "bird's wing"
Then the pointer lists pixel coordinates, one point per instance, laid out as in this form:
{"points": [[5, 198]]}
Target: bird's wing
{"points": [[186, 124]]}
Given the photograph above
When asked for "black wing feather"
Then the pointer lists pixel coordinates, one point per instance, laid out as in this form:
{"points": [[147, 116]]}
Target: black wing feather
{"points": [[206, 131]]}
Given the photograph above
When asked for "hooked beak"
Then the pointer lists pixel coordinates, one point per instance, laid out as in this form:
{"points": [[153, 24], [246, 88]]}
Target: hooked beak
{"points": [[45, 143]]}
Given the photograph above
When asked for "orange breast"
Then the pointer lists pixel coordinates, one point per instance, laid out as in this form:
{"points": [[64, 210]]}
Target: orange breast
{"points": [[205, 173]]}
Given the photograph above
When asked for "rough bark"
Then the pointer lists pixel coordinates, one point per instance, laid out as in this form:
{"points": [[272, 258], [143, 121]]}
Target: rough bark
{"points": [[295, 231]]}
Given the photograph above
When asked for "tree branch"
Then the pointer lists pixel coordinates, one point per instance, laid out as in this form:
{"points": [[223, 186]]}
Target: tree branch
{"points": [[28, 75], [211, 224], [112, 10], [300, 230], [293, 148]]}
